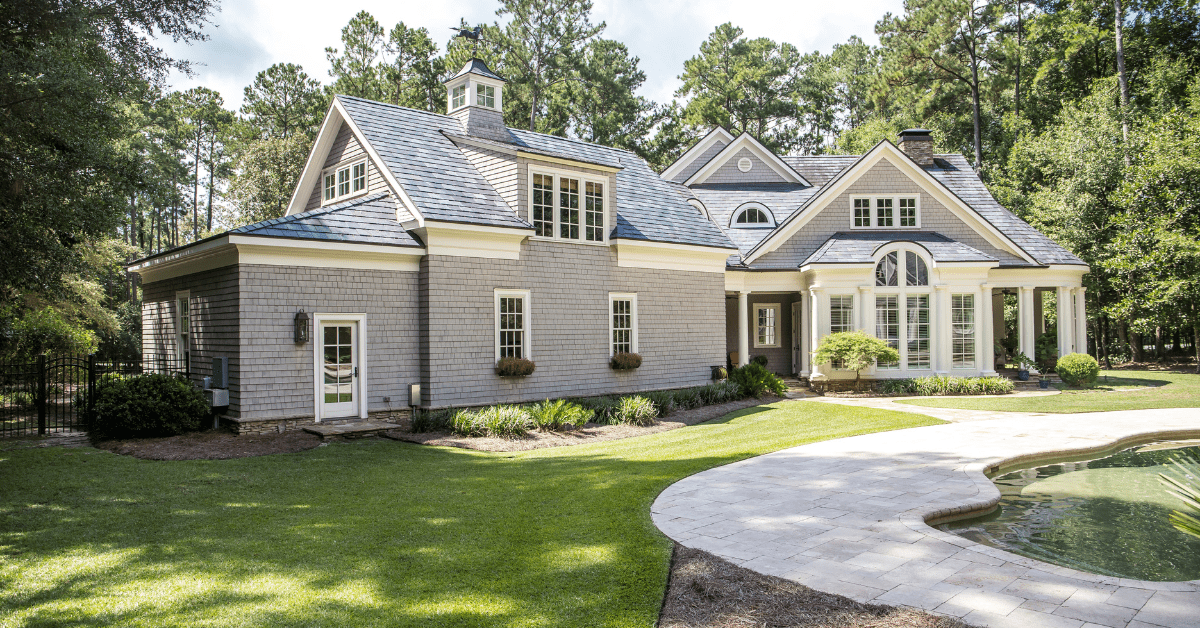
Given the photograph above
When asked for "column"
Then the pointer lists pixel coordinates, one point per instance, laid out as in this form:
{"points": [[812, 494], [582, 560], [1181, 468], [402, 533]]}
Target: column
{"points": [[1080, 321], [866, 309], [743, 328], [816, 325], [940, 323], [1066, 321], [1025, 328], [805, 325], [1039, 317], [984, 334]]}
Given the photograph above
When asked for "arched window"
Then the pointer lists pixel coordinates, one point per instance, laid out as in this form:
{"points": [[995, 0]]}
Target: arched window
{"points": [[902, 309], [887, 271], [915, 271], [752, 215]]}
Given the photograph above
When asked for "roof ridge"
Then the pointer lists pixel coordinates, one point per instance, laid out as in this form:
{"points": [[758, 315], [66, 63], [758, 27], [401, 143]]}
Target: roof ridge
{"points": [[576, 141], [395, 106]]}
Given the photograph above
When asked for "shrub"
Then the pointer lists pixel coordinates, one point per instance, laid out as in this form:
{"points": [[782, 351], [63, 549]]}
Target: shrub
{"points": [[760, 360], [18, 400], [603, 408], [754, 380], [942, 385], [719, 392], [719, 373], [688, 398], [504, 420], [1045, 351], [514, 367], [433, 421], [625, 361], [1078, 369], [663, 400], [636, 410], [148, 405], [854, 351], [555, 415]]}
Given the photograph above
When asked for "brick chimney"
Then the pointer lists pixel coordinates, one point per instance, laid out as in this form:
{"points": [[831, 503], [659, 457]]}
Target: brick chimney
{"points": [[918, 144]]}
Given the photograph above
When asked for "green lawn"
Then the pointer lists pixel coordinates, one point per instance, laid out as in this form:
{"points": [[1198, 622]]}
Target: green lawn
{"points": [[1116, 390], [375, 533]]}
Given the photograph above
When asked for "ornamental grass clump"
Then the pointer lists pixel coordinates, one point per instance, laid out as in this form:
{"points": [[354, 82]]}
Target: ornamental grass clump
{"points": [[1078, 369], [558, 415], [939, 385], [754, 380], [663, 400], [636, 410], [505, 421], [603, 408]]}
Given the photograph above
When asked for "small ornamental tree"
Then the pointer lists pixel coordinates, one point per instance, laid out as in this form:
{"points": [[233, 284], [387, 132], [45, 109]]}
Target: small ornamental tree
{"points": [[854, 351]]}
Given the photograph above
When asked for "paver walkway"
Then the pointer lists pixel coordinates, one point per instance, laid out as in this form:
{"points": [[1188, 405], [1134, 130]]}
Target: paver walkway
{"points": [[848, 517]]}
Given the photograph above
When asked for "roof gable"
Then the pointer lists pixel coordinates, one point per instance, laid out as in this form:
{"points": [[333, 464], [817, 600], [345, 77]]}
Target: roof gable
{"points": [[745, 141], [699, 154]]}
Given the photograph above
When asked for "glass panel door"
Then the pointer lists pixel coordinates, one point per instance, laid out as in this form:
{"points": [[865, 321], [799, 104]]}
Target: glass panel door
{"points": [[339, 370]]}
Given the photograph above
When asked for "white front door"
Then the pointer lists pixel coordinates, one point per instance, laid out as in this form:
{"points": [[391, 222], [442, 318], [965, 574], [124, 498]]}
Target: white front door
{"points": [[339, 369], [797, 337]]}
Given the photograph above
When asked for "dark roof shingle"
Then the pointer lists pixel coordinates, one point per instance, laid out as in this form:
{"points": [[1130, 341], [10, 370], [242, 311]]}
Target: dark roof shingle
{"points": [[367, 220], [850, 247]]}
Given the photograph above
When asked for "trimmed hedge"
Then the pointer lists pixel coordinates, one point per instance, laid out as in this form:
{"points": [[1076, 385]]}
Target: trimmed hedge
{"points": [[941, 385], [1078, 369], [148, 405]]}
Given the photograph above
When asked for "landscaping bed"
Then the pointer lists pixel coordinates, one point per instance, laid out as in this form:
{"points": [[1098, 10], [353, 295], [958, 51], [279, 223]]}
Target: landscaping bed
{"points": [[708, 592], [590, 433], [213, 445]]}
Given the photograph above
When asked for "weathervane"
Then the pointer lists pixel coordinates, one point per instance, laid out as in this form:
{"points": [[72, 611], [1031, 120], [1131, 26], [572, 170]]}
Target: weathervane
{"points": [[473, 35]]}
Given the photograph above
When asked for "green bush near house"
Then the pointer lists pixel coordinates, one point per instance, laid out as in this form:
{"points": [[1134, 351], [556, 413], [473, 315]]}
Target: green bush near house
{"points": [[602, 408], [942, 385], [754, 380], [1078, 369], [148, 405], [636, 410], [1045, 351], [663, 400], [760, 360], [854, 351], [504, 421], [557, 415]]}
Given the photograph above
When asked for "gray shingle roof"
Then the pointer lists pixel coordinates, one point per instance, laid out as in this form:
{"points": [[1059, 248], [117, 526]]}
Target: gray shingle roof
{"points": [[722, 199], [858, 247], [476, 66], [432, 170], [819, 169], [367, 220]]}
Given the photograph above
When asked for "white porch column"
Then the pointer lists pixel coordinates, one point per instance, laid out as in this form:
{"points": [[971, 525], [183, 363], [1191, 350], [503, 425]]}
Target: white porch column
{"points": [[866, 309], [1066, 321], [1025, 328], [984, 333], [804, 335], [743, 328], [1080, 321], [820, 307], [940, 324]]}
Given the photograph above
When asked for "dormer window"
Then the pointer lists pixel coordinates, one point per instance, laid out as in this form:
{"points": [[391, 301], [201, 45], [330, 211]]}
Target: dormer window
{"points": [[567, 206], [458, 97], [485, 96], [344, 180], [885, 212], [752, 215]]}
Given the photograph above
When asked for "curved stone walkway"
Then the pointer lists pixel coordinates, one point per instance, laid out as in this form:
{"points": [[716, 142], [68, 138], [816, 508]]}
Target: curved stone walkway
{"points": [[848, 516]]}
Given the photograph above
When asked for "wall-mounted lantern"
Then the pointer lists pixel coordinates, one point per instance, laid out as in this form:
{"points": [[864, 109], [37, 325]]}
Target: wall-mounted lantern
{"points": [[301, 327]]}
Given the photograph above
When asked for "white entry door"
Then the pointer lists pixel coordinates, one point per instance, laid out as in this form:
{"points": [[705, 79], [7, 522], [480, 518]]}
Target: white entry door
{"points": [[339, 369], [797, 337]]}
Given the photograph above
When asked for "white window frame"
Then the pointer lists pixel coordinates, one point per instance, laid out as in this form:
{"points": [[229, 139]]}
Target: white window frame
{"points": [[874, 218], [458, 99], [525, 317], [347, 167], [841, 364], [902, 292], [184, 296], [972, 355], [758, 307], [743, 208], [482, 95], [318, 353], [556, 175], [633, 313]]}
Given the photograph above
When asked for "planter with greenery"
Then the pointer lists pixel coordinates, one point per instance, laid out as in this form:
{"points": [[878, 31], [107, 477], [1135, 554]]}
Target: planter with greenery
{"points": [[854, 351], [514, 367], [1024, 365], [625, 361]]}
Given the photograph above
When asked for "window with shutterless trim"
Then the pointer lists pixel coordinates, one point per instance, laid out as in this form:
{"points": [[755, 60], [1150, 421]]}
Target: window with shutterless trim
{"points": [[766, 317], [622, 319], [885, 212], [458, 97], [962, 321], [568, 206], [183, 328], [344, 181], [512, 324]]}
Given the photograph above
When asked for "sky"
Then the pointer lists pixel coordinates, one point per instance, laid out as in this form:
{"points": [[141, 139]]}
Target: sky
{"points": [[248, 36]]}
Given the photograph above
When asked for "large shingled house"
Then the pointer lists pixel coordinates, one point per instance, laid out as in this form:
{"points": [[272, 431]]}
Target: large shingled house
{"points": [[421, 248]]}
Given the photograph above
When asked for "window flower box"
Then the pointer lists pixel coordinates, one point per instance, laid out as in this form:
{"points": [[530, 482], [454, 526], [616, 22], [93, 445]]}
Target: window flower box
{"points": [[625, 361], [514, 367]]}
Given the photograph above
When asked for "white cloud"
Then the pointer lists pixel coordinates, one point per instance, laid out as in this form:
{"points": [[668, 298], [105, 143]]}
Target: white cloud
{"points": [[250, 36]]}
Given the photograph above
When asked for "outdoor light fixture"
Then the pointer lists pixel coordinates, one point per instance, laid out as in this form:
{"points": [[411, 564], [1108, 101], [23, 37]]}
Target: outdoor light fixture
{"points": [[300, 332]]}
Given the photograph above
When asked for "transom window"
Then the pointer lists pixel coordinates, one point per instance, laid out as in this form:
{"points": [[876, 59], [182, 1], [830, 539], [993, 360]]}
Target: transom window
{"points": [[344, 180], [623, 323], [766, 316], [512, 324], [962, 318], [458, 96], [888, 270], [885, 212], [565, 207], [752, 215], [485, 96]]}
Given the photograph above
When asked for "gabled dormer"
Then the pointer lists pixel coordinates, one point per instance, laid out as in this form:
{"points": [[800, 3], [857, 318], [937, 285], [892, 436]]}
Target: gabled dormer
{"points": [[475, 96]]}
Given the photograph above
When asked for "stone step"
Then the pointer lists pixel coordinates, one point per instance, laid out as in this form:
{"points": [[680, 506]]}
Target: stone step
{"points": [[353, 429]]}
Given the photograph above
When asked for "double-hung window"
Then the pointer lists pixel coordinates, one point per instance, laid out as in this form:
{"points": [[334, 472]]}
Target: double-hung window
{"points": [[841, 318], [766, 317], [512, 324], [962, 318], [885, 212], [622, 323], [902, 309], [567, 207], [183, 329], [344, 180], [887, 325]]}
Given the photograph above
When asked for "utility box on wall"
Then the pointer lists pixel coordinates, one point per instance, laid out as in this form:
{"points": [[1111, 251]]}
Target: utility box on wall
{"points": [[220, 373]]}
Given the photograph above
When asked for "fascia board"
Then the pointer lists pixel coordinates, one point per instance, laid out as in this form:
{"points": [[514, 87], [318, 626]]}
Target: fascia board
{"points": [[745, 140], [696, 150], [316, 158]]}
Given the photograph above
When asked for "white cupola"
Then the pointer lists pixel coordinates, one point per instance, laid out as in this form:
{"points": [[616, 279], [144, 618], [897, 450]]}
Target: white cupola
{"points": [[475, 96]]}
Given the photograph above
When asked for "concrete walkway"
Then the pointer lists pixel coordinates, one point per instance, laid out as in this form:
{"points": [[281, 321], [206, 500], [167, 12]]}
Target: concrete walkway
{"points": [[848, 517]]}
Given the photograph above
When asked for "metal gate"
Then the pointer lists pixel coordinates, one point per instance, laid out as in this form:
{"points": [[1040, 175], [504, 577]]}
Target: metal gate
{"points": [[53, 394]]}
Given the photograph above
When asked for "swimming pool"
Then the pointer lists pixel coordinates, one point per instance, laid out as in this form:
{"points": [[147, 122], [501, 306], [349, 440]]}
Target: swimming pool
{"points": [[1106, 516]]}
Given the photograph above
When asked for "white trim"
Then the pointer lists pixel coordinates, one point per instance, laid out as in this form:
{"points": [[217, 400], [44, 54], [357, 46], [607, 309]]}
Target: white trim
{"points": [[464, 240], [873, 215], [697, 149], [360, 320], [744, 164], [526, 345], [632, 297], [747, 141], [741, 209], [669, 256], [556, 175], [699, 205], [347, 165], [905, 164], [471, 81], [566, 162], [186, 296], [778, 308]]}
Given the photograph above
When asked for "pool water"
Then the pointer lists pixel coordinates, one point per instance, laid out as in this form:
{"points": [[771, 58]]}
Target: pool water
{"points": [[1106, 516]]}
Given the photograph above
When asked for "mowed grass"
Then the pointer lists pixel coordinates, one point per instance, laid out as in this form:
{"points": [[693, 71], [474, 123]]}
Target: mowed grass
{"points": [[376, 533], [1116, 390]]}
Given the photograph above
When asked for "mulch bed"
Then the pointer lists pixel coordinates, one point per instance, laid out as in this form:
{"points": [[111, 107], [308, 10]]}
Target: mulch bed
{"points": [[708, 592], [214, 445], [589, 434]]}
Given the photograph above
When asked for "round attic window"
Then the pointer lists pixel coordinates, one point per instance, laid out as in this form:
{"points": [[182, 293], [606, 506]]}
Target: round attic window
{"points": [[744, 164]]}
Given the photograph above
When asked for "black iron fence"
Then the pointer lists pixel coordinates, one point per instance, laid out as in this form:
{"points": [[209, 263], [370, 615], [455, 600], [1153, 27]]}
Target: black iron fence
{"points": [[55, 393]]}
